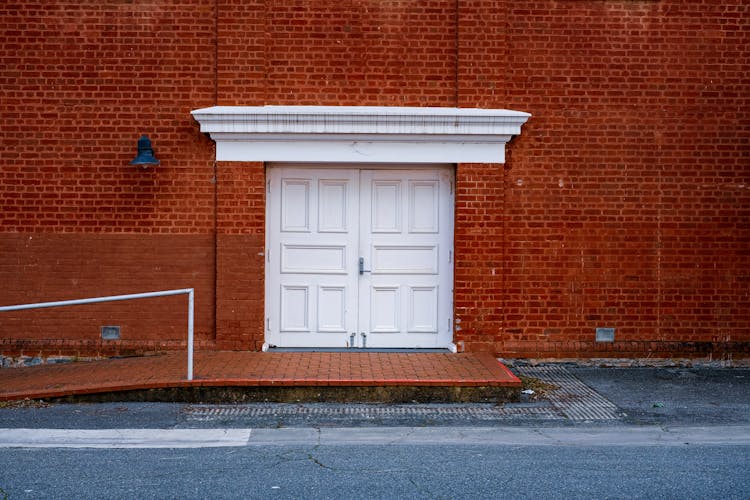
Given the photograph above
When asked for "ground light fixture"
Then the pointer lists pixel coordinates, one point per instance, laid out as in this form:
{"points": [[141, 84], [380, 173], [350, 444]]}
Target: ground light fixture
{"points": [[145, 157]]}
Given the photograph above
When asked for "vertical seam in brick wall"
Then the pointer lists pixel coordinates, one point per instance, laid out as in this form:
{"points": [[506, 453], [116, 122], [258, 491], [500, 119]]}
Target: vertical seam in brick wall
{"points": [[216, 64], [216, 180], [504, 256], [506, 62], [216, 248], [266, 44], [458, 52], [506, 169], [659, 211]]}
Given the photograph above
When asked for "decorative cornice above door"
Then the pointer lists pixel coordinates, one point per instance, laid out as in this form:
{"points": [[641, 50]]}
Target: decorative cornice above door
{"points": [[360, 133]]}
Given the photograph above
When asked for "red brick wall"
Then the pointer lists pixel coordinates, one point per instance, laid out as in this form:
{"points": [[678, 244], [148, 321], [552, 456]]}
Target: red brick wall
{"points": [[240, 251], [624, 203], [45, 266], [338, 52], [241, 70], [626, 195], [479, 272], [80, 81], [482, 42]]}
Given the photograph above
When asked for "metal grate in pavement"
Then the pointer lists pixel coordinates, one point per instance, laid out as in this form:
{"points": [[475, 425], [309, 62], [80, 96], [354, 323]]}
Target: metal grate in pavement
{"points": [[574, 399], [206, 413]]}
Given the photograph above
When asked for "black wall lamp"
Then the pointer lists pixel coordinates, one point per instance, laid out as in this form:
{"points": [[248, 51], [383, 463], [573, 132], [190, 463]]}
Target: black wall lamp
{"points": [[145, 156]]}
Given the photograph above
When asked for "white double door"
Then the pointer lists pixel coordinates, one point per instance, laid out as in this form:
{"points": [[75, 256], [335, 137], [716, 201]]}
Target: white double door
{"points": [[359, 257]]}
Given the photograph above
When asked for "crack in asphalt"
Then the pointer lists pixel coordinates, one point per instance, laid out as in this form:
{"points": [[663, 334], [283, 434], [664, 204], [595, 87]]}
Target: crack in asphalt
{"points": [[317, 462]]}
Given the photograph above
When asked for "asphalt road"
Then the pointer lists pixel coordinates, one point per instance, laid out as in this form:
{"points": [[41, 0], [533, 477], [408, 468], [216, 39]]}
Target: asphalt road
{"points": [[380, 471], [674, 396], [680, 433]]}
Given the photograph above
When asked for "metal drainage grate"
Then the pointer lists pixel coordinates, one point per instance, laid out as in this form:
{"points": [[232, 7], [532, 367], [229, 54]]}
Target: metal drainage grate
{"points": [[206, 413], [574, 399]]}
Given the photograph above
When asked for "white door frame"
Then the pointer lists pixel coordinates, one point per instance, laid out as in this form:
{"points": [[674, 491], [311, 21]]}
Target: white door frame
{"points": [[419, 336]]}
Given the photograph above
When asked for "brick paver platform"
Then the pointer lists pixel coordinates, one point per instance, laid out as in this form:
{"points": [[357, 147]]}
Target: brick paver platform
{"points": [[225, 369]]}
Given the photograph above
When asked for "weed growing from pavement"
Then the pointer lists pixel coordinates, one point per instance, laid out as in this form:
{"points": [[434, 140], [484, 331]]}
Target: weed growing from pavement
{"points": [[24, 403], [539, 387]]}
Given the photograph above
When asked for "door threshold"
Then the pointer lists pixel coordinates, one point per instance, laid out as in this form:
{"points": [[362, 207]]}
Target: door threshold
{"points": [[356, 350]]}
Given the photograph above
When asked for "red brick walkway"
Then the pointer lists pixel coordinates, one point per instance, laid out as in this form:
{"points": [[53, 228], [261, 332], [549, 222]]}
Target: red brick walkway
{"points": [[258, 369]]}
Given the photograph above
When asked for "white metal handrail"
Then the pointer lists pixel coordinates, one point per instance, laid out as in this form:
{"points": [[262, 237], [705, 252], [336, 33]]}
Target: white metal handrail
{"points": [[191, 310]]}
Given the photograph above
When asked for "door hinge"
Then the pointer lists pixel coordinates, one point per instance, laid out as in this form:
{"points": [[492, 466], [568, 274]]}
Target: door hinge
{"points": [[268, 187], [268, 324]]}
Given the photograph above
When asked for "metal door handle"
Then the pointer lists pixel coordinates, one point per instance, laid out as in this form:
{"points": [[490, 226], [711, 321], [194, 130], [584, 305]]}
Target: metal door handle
{"points": [[362, 269]]}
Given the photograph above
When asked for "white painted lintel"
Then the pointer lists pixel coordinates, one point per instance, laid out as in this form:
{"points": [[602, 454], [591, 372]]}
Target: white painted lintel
{"points": [[355, 150], [360, 134]]}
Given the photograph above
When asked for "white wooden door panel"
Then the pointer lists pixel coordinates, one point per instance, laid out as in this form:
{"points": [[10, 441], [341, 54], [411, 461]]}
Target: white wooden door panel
{"points": [[359, 257], [409, 256], [312, 257]]}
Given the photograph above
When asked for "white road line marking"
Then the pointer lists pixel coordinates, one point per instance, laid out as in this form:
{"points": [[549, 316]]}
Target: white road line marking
{"points": [[620, 436], [123, 438]]}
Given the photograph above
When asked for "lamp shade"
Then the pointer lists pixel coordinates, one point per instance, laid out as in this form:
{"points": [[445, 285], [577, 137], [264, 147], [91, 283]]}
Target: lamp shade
{"points": [[145, 156]]}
